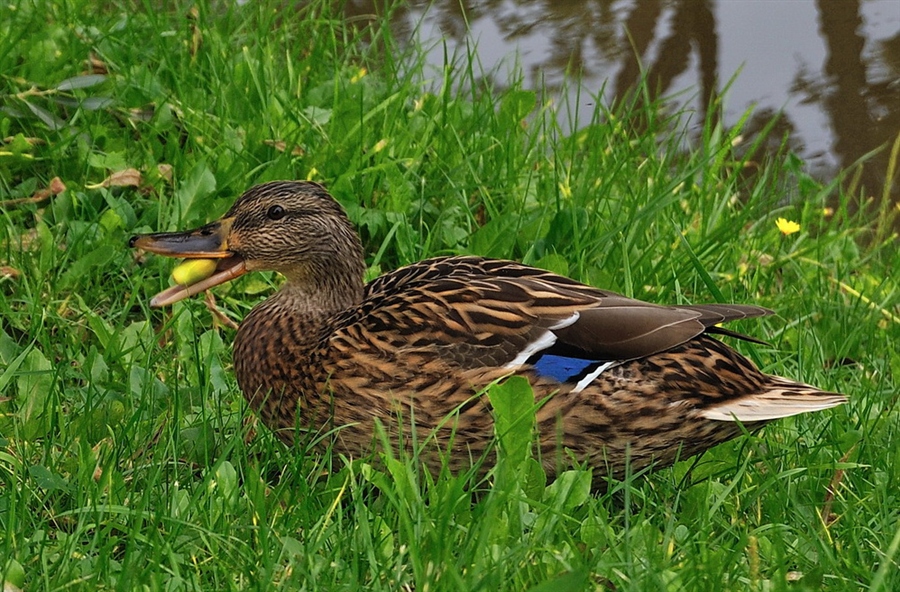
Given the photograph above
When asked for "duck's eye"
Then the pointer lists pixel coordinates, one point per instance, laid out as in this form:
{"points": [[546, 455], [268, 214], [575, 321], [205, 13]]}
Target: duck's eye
{"points": [[275, 213]]}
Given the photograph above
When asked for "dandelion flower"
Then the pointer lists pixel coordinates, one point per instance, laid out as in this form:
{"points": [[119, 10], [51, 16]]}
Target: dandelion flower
{"points": [[358, 76], [379, 145], [787, 226]]}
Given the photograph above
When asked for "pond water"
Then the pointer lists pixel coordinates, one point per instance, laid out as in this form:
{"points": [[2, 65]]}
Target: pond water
{"points": [[831, 68]]}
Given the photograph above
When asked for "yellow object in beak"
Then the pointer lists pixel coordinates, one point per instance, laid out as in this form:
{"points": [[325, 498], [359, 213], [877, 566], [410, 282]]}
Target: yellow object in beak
{"points": [[193, 270]]}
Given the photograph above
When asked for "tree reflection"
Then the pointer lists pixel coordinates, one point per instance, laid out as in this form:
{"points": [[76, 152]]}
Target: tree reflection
{"points": [[612, 44]]}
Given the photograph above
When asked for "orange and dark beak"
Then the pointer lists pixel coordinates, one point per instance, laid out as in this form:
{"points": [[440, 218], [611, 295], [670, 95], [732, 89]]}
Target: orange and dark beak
{"points": [[206, 242]]}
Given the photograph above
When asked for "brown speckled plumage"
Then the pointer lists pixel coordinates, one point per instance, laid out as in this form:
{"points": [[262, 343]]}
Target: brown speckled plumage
{"points": [[418, 345]]}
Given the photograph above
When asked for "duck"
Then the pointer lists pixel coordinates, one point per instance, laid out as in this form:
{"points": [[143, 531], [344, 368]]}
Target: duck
{"points": [[618, 384]]}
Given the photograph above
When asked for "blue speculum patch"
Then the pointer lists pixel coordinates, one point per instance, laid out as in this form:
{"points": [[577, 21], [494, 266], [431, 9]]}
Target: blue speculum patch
{"points": [[563, 368]]}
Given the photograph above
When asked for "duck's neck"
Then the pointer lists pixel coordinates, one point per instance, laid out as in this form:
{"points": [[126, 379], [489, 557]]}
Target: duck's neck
{"points": [[328, 281], [275, 350], [320, 294]]}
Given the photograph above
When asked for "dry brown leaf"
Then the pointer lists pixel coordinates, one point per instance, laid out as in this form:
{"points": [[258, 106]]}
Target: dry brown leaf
{"points": [[193, 16], [827, 516], [31, 141], [250, 422], [125, 178], [27, 239], [55, 188], [96, 65], [165, 171], [9, 272], [144, 113], [281, 146]]}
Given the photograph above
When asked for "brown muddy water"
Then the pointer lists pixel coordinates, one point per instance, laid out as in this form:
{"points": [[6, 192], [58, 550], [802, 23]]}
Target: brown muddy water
{"points": [[829, 68]]}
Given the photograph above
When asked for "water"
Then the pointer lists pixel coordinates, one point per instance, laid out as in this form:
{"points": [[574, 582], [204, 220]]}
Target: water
{"points": [[831, 68]]}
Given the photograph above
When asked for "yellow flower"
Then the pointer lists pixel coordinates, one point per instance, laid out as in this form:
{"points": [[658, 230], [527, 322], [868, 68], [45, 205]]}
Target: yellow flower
{"points": [[358, 76], [564, 188], [787, 226], [379, 145]]}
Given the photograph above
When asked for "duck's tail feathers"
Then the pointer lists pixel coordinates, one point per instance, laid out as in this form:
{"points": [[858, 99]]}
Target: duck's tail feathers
{"points": [[781, 398]]}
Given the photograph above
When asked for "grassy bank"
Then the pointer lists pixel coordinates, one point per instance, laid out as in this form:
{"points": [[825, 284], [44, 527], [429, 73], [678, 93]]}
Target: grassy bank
{"points": [[126, 456]]}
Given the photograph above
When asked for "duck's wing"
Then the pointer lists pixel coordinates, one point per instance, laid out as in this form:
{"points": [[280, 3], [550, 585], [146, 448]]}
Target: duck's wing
{"points": [[476, 312], [467, 316]]}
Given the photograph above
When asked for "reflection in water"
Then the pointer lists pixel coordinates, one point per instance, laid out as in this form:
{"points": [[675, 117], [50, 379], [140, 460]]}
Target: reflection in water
{"points": [[860, 119], [693, 27], [830, 67]]}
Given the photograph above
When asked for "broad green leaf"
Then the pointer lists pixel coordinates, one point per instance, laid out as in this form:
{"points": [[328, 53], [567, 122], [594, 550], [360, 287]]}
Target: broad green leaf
{"points": [[553, 262], [33, 390], [193, 191], [47, 479], [99, 326], [197, 444], [50, 120], [18, 145], [517, 104], [495, 239], [535, 479], [316, 115], [567, 223], [180, 507], [14, 576], [11, 366], [85, 81], [141, 381], [94, 258], [96, 103], [292, 547], [110, 220], [404, 482], [88, 103], [98, 369], [513, 404], [136, 338], [570, 581], [570, 490], [227, 482], [113, 161]]}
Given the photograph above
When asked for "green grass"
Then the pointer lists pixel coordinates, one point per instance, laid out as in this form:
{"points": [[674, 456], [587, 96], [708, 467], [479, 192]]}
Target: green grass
{"points": [[126, 456]]}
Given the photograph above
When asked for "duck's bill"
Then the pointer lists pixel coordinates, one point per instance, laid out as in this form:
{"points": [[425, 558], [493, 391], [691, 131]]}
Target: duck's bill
{"points": [[207, 243]]}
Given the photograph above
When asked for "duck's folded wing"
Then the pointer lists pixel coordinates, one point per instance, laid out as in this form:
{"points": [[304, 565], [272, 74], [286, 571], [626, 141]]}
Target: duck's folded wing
{"points": [[619, 328], [483, 313]]}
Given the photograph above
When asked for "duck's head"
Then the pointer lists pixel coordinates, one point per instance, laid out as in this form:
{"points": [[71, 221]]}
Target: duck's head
{"points": [[294, 228]]}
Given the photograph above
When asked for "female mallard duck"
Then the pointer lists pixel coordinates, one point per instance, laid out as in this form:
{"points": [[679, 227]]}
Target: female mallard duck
{"points": [[613, 378]]}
